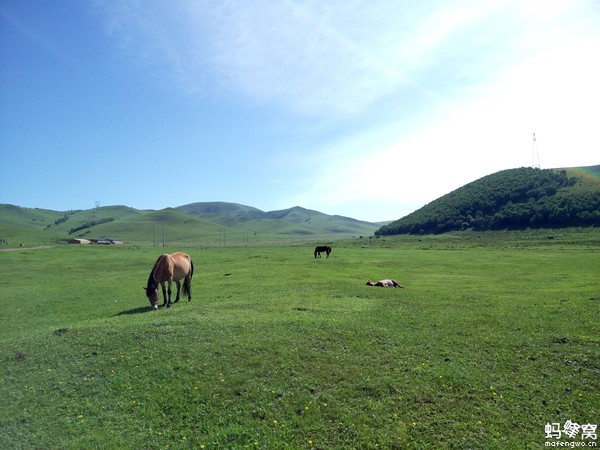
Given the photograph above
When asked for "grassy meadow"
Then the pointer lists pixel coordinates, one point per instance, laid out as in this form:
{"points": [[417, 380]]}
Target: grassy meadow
{"points": [[495, 335]]}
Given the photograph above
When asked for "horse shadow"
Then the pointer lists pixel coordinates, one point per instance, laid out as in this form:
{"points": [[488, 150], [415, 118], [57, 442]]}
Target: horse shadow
{"points": [[129, 312]]}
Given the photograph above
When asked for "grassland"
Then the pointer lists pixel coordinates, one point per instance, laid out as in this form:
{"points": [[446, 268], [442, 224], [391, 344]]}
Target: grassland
{"points": [[495, 335]]}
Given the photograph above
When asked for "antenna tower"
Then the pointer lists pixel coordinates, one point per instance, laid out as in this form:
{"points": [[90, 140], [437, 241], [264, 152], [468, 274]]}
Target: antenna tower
{"points": [[535, 156], [96, 208]]}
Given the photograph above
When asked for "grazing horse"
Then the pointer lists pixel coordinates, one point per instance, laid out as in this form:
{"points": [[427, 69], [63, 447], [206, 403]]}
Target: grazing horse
{"points": [[322, 249], [385, 283], [170, 268]]}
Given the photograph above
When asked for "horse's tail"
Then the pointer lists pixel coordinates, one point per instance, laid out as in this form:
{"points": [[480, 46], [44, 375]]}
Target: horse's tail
{"points": [[187, 287], [187, 282]]}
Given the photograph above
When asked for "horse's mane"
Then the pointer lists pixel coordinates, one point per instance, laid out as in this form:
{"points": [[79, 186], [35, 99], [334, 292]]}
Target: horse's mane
{"points": [[152, 284]]}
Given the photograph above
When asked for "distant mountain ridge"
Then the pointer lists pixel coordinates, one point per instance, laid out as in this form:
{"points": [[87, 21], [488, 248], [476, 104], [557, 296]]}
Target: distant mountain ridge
{"points": [[511, 199], [218, 208], [202, 223], [296, 214]]}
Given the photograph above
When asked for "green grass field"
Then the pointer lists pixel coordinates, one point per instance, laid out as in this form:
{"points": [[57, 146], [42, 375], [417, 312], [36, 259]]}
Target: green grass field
{"points": [[495, 335]]}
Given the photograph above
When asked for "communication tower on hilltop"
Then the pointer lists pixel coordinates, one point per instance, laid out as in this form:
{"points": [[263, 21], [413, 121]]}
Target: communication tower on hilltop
{"points": [[535, 156], [96, 208]]}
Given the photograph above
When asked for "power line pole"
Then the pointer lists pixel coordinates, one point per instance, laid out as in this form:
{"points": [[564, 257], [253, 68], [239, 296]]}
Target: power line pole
{"points": [[162, 220]]}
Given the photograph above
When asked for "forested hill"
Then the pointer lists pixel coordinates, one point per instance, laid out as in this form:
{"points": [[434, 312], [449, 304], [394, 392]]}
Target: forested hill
{"points": [[515, 198]]}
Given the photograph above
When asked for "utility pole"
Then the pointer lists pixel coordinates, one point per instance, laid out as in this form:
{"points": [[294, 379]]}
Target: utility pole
{"points": [[162, 219]]}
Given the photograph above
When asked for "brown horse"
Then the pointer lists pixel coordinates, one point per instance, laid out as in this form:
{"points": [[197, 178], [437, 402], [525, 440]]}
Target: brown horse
{"points": [[385, 283], [170, 268]]}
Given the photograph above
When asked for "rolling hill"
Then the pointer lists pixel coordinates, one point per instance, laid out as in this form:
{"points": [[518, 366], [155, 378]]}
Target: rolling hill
{"points": [[511, 199], [205, 224]]}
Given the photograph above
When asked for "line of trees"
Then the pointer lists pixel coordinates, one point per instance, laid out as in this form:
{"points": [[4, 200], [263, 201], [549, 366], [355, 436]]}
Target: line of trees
{"points": [[60, 220], [515, 198], [90, 224]]}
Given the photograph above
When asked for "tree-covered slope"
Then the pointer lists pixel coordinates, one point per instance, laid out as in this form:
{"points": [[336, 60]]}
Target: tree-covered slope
{"points": [[515, 198]]}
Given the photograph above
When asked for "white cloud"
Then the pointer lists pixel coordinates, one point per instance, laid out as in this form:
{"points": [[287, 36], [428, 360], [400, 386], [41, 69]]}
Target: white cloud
{"points": [[336, 57], [553, 93], [308, 57], [459, 88]]}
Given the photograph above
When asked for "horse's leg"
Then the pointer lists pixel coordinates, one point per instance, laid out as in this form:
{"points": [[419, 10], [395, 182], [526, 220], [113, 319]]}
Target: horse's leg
{"points": [[169, 290], [178, 283], [165, 302]]}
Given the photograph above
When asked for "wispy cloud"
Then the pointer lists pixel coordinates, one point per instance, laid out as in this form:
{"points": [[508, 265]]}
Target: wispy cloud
{"points": [[314, 58], [37, 36], [428, 86], [543, 83], [269, 52]]}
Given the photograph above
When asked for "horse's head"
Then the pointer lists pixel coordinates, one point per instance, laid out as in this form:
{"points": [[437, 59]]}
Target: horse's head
{"points": [[152, 294]]}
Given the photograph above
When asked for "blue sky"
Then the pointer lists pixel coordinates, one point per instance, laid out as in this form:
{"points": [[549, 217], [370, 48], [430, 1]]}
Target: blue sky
{"points": [[358, 108]]}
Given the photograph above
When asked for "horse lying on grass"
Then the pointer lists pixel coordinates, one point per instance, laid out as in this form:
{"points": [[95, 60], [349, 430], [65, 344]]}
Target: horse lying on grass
{"points": [[322, 249], [170, 268], [385, 283]]}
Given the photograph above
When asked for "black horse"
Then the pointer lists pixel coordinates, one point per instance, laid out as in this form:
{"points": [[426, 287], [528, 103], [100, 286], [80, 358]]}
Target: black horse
{"points": [[322, 249]]}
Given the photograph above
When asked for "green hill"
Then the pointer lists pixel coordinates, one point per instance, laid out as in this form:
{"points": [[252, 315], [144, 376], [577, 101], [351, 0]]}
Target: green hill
{"points": [[19, 225], [222, 209], [511, 199], [203, 224]]}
